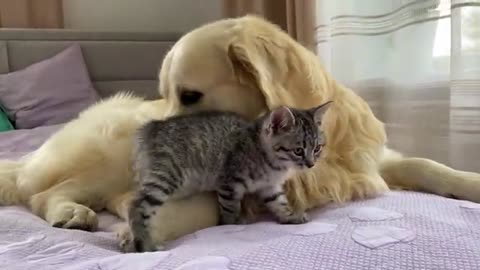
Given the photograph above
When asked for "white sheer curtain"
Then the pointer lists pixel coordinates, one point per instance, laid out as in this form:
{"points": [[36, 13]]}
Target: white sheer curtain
{"points": [[417, 63]]}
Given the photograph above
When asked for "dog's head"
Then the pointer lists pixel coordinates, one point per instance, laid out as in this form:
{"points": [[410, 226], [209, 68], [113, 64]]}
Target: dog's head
{"points": [[245, 65]]}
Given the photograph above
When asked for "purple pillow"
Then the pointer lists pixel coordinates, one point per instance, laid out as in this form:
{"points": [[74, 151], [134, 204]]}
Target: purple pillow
{"points": [[49, 92]]}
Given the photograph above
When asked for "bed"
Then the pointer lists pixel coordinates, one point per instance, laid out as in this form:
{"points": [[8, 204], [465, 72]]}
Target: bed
{"points": [[399, 230]]}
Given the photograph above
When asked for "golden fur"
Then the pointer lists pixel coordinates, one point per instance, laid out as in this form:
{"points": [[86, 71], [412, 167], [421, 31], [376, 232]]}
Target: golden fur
{"points": [[246, 65]]}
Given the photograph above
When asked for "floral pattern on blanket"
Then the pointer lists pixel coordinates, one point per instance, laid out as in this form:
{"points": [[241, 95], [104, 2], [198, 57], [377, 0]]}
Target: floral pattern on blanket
{"points": [[400, 230]]}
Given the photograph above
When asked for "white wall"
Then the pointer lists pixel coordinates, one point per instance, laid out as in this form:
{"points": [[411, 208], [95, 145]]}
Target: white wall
{"points": [[140, 15]]}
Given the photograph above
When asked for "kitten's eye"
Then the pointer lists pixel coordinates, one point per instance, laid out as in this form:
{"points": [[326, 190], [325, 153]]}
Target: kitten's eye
{"points": [[298, 151], [318, 148]]}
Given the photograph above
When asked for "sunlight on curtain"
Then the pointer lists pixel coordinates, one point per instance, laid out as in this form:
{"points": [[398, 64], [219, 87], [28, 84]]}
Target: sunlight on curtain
{"points": [[417, 63]]}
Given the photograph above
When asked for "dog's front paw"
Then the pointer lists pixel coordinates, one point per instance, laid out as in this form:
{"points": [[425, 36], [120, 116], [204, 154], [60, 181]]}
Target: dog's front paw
{"points": [[73, 216], [125, 238], [295, 219]]}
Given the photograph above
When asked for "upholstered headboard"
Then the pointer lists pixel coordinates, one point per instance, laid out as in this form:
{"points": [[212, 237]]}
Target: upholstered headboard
{"points": [[116, 60]]}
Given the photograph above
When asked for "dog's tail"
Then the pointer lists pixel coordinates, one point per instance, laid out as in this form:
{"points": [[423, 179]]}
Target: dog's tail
{"points": [[426, 175], [9, 192]]}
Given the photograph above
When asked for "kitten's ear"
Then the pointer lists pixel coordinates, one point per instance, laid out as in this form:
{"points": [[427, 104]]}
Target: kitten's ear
{"points": [[319, 111], [280, 119]]}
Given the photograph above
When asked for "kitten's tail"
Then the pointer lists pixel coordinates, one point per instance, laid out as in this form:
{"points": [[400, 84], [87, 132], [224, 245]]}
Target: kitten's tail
{"points": [[426, 175], [9, 192]]}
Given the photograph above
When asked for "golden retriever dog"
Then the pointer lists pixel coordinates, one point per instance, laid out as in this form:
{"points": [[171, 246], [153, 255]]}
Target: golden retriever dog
{"points": [[246, 65]]}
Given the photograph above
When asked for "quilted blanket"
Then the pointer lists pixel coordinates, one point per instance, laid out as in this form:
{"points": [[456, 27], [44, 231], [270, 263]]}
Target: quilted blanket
{"points": [[400, 230]]}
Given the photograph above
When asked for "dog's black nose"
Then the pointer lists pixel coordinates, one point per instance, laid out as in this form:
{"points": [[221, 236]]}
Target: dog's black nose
{"points": [[190, 97]]}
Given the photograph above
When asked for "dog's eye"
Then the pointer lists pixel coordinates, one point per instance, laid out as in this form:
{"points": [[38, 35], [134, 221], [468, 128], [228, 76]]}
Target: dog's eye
{"points": [[190, 97]]}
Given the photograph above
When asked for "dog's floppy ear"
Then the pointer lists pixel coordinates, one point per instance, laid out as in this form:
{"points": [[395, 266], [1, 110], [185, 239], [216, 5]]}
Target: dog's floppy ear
{"points": [[255, 63], [164, 88]]}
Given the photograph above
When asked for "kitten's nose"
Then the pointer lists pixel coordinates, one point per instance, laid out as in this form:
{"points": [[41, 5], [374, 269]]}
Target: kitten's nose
{"points": [[309, 163]]}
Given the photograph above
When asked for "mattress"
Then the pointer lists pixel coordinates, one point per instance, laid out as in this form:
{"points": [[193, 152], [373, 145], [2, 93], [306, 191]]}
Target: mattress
{"points": [[399, 230]]}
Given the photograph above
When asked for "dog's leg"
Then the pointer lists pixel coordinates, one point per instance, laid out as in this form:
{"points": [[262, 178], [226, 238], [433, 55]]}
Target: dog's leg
{"points": [[174, 219], [120, 205], [426, 175], [67, 205]]}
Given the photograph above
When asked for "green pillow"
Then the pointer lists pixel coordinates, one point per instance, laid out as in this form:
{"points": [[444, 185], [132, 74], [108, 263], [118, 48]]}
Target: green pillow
{"points": [[5, 123]]}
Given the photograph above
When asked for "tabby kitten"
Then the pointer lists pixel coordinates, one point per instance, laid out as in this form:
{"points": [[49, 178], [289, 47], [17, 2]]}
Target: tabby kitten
{"points": [[220, 151]]}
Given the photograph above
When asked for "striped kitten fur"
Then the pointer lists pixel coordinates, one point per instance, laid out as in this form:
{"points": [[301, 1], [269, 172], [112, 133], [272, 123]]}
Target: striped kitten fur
{"points": [[220, 151]]}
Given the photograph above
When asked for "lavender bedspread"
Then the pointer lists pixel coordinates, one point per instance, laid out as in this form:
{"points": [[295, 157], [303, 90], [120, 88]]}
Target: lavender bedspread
{"points": [[400, 230]]}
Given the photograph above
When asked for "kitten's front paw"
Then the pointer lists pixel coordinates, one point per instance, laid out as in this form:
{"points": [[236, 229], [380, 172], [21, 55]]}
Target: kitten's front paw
{"points": [[295, 219], [241, 221], [232, 221]]}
